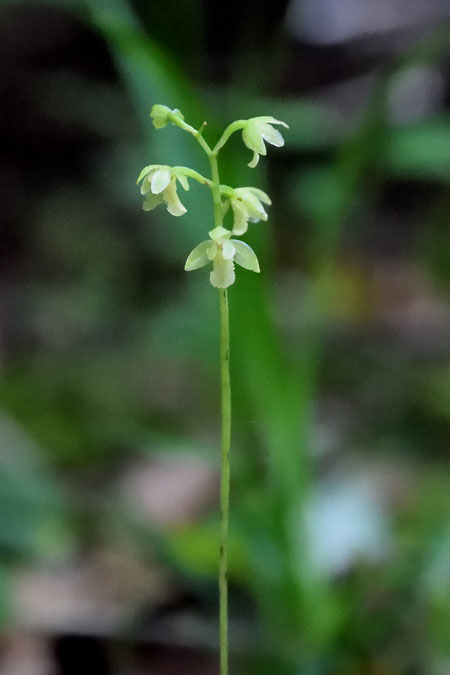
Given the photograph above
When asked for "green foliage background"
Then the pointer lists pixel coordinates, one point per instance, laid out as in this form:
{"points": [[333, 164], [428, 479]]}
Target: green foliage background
{"points": [[110, 350]]}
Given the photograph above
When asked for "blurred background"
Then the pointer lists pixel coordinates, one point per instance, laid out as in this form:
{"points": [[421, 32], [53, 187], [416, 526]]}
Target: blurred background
{"points": [[109, 395]]}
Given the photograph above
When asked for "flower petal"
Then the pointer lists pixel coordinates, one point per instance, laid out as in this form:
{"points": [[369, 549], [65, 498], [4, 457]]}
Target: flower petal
{"points": [[260, 194], [240, 224], [222, 275], [161, 179], [183, 181], [152, 202], [254, 161], [219, 233], [245, 255], [271, 120], [228, 250], [250, 203], [211, 252], [198, 257], [271, 135], [145, 171], [253, 139], [174, 206], [146, 185]]}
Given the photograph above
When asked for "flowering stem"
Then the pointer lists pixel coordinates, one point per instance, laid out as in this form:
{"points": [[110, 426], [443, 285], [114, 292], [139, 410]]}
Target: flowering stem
{"points": [[223, 252], [225, 476], [214, 184]]}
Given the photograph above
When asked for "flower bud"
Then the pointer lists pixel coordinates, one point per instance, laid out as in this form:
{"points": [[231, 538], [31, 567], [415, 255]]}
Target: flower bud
{"points": [[161, 115]]}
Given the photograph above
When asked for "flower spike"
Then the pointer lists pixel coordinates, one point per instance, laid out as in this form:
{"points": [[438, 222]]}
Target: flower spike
{"points": [[158, 185]]}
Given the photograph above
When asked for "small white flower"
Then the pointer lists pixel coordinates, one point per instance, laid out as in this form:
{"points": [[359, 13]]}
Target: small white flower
{"points": [[159, 185], [223, 252], [259, 129], [247, 204]]}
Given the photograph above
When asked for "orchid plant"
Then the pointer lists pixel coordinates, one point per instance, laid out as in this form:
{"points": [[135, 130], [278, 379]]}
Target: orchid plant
{"points": [[159, 186]]}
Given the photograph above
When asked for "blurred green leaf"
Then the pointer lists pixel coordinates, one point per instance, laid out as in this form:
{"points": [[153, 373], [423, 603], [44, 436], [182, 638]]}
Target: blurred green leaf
{"points": [[31, 501], [420, 151]]}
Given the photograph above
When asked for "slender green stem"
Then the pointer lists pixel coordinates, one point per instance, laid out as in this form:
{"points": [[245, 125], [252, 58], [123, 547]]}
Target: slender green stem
{"points": [[181, 123], [231, 128], [191, 173], [198, 136], [226, 434], [218, 215], [225, 476], [197, 133]]}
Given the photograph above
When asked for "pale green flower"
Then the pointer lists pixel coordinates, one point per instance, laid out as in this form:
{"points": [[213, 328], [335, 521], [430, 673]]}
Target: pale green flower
{"points": [[160, 115], [223, 252], [159, 185], [259, 129], [247, 204]]}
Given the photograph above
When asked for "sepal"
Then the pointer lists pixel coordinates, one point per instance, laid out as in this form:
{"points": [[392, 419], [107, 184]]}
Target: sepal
{"points": [[245, 256], [199, 257]]}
